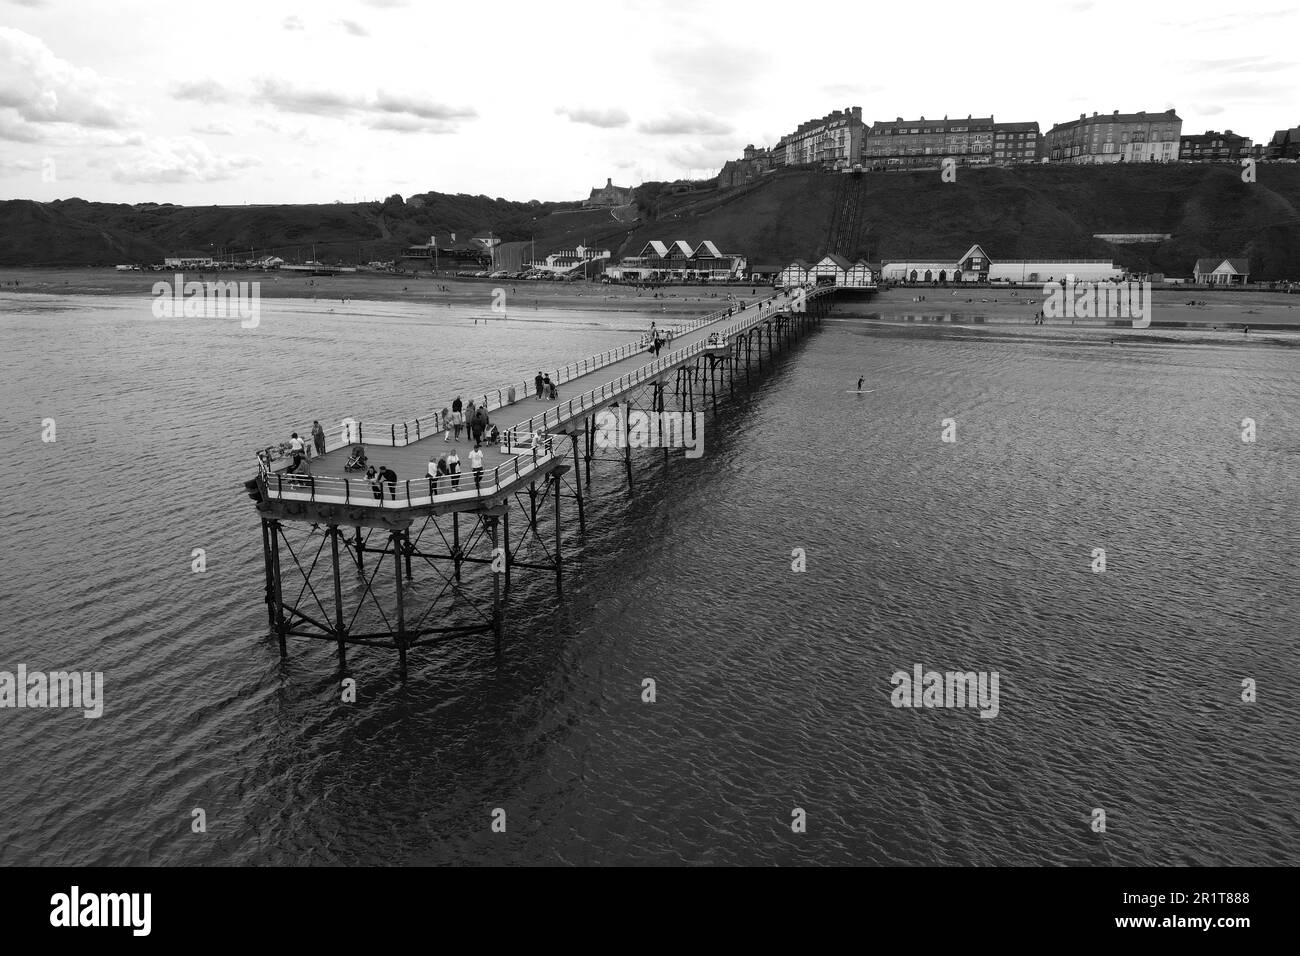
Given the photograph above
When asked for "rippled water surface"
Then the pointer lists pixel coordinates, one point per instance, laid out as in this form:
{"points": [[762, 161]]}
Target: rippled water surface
{"points": [[1120, 690]]}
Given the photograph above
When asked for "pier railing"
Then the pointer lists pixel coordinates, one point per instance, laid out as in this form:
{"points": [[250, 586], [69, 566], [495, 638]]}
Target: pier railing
{"points": [[398, 434], [413, 492], [556, 416]]}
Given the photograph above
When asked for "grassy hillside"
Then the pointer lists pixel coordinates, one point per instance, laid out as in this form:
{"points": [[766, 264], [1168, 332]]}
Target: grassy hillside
{"points": [[1024, 212]]}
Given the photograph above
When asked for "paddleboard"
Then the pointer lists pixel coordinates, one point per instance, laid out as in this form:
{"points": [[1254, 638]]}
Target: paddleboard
{"points": [[854, 391]]}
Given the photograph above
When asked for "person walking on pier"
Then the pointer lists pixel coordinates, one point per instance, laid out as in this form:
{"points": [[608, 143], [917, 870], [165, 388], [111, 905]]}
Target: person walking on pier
{"points": [[318, 438], [548, 387], [469, 418], [453, 468], [297, 449], [457, 419], [538, 382], [476, 462], [376, 485], [479, 425], [390, 478], [446, 424]]}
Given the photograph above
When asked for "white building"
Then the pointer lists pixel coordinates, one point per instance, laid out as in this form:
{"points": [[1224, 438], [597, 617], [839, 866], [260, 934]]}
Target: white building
{"points": [[1222, 271]]}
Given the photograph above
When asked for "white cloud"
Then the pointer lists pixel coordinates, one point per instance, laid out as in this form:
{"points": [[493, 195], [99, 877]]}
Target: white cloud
{"points": [[600, 118], [179, 160], [42, 88]]}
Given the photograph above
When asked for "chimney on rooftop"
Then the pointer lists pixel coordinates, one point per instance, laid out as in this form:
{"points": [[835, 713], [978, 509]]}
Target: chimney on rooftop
{"points": [[609, 182]]}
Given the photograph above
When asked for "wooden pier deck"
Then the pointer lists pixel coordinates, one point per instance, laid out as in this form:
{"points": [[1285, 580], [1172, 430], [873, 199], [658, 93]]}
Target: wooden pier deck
{"points": [[531, 427]]}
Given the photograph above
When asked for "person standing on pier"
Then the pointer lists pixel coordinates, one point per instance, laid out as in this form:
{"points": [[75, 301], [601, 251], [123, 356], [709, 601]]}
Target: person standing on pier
{"points": [[296, 449], [318, 438], [376, 485], [538, 382], [476, 462], [453, 468], [457, 419], [390, 478], [469, 418], [446, 424], [440, 474]]}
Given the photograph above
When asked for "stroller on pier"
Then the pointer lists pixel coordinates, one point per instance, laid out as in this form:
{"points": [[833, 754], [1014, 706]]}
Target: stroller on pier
{"points": [[357, 460]]}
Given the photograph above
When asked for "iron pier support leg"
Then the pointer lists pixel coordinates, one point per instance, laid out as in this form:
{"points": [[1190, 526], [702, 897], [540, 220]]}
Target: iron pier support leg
{"points": [[396, 538], [498, 621], [407, 549], [361, 550], [339, 633], [455, 544], [270, 579], [577, 485], [532, 505], [279, 587], [589, 423], [559, 563], [505, 543]]}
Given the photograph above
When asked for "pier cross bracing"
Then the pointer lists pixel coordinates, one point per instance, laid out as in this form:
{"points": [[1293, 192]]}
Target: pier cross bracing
{"points": [[320, 524]]}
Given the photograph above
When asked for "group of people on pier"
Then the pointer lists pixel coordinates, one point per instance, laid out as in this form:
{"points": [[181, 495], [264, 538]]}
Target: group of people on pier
{"points": [[475, 421]]}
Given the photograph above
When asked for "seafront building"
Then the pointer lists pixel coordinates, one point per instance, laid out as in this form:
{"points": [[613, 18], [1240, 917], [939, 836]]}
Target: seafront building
{"points": [[608, 195], [973, 141], [567, 260], [1221, 271], [660, 261], [1213, 147], [829, 270], [975, 265], [1114, 138], [1285, 144], [832, 142]]}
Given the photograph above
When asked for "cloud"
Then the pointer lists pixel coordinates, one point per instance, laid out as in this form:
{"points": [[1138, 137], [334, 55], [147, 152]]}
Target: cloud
{"points": [[411, 124], [398, 112], [602, 119], [422, 107], [352, 27], [206, 90], [1241, 64], [292, 23], [289, 99], [42, 88], [179, 160], [699, 157], [1207, 110], [680, 123], [386, 4], [213, 129]]}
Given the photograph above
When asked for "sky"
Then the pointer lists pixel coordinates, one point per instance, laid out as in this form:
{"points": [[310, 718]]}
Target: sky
{"points": [[347, 100]]}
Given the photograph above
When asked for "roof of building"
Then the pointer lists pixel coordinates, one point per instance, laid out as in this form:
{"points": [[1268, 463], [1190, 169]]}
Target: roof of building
{"points": [[838, 260], [942, 124], [1141, 116], [1207, 265]]}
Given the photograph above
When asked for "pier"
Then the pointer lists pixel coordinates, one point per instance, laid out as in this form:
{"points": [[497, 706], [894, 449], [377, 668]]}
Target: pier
{"points": [[322, 523]]}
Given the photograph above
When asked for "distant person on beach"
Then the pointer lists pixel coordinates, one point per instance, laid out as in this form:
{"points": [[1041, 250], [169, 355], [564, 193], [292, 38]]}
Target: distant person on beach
{"points": [[538, 382], [318, 436], [453, 468], [297, 450], [860, 381], [476, 463]]}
